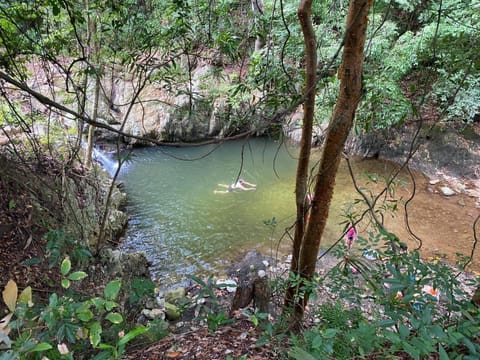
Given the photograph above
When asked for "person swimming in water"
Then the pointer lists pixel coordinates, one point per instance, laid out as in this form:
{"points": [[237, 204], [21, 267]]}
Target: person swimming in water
{"points": [[240, 185]]}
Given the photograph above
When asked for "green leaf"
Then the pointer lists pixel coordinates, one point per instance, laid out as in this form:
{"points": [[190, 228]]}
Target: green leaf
{"points": [[5, 339], [25, 296], [105, 355], [392, 337], [437, 331], [66, 266], [386, 323], [95, 334], [414, 353], [77, 275], [132, 334], [403, 330], [330, 333], [53, 300], [469, 345], [114, 318], [11, 204], [42, 347], [198, 280], [98, 302], [84, 314], [109, 305], [112, 289], [65, 283], [443, 354], [32, 261], [300, 354]]}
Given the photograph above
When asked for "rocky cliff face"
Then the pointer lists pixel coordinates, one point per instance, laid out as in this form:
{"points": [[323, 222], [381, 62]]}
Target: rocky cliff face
{"points": [[161, 114]]}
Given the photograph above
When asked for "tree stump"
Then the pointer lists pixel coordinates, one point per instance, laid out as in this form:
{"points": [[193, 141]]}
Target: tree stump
{"points": [[252, 284]]}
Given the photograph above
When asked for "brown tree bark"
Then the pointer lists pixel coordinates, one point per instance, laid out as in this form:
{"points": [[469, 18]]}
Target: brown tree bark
{"points": [[305, 18], [307, 240]]}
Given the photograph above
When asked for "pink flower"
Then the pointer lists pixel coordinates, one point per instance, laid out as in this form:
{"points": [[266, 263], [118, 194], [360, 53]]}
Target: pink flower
{"points": [[350, 237]]}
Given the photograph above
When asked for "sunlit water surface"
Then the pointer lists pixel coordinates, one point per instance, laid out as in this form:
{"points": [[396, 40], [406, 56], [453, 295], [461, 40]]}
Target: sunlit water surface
{"points": [[184, 227]]}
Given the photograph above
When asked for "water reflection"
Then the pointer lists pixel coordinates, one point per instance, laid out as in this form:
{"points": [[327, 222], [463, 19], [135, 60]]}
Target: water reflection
{"points": [[185, 228]]}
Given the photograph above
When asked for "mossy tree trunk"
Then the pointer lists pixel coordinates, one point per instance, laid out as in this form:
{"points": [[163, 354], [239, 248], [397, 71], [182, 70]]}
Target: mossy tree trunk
{"points": [[308, 235]]}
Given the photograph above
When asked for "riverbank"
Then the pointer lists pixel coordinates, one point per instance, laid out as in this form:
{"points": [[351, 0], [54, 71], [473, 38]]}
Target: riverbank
{"points": [[49, 212]]}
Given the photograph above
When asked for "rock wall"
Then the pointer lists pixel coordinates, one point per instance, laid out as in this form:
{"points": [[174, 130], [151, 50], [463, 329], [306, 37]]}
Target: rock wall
{"points": [[189, 114], [444, 152]]}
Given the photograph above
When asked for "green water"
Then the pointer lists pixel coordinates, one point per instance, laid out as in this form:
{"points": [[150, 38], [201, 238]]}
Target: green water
{"points": [[185, 228]]}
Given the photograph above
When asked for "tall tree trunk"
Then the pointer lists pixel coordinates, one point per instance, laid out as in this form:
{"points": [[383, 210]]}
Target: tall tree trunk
{"points": [[93, 52], [350, 74], [91, 128], [305, 18]]}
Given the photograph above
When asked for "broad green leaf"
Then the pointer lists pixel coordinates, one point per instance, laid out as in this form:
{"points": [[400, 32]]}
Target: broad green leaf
{"points": [[98, 303], [25, 296], [84, 314], [77, 275], [66, 266], [109, 305], [53, 300], [132, 334], [95, 334], [114, 318], [330, 333], [103, 346], [65, 283], [42, 347], [10, 295], [112, 289]]}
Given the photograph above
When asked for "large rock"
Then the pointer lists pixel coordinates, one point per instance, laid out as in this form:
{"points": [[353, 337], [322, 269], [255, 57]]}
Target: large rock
{"points": [[174, 296], [125, 265], [443, 150], [171, 312]]}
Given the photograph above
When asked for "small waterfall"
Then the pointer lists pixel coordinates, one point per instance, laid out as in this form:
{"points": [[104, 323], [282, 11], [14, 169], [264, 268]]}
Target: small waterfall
{"points": [[109, 164]]}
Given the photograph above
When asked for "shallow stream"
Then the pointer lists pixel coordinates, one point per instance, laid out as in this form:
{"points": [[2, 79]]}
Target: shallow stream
{"points": [[186, 228]]}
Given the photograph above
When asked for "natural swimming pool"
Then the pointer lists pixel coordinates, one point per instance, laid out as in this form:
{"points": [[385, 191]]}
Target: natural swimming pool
{"points": [[184, 227]]}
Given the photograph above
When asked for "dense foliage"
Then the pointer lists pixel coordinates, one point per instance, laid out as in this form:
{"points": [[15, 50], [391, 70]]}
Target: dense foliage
{"points": [[420, 54], [408, 40]]}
